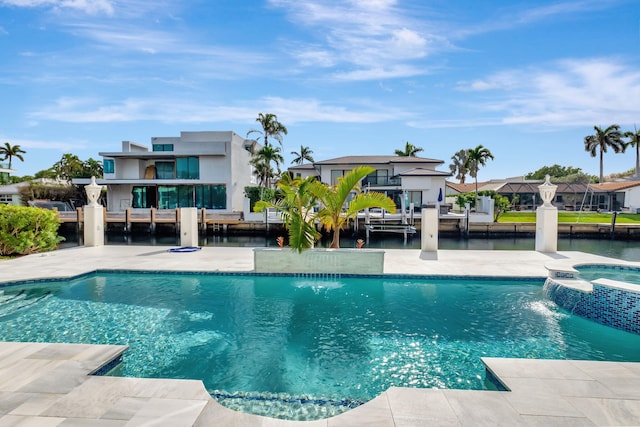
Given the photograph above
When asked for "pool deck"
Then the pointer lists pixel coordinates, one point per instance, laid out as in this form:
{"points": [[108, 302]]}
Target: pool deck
{"points": [[45, 384]]}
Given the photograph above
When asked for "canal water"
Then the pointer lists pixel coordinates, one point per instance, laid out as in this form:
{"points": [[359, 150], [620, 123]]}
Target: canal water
{"points": [[621, 249]]}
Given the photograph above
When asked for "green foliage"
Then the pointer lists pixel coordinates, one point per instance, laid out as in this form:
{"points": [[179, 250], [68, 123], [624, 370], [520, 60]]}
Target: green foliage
{"points": [[25, 230], [57, 192], [554, 171], [336, 211], [574, 217], [409, 150], [70, 166], [296, 207], [259, 193]]}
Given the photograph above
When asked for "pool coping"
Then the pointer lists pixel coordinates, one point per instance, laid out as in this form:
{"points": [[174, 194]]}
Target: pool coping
{"points": [[542, 391]]}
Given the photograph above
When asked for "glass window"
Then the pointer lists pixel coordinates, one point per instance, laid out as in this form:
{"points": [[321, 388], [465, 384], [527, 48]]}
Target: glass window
{"points": [[415, 197], [165, 170], [162, 147], [143, 197], [211, 196], [167, 197], [187, 168], [108, 166]]}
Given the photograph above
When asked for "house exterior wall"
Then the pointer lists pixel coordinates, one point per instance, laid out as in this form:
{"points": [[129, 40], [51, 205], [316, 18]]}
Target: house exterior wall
{"points": [[632, 199], [429, 185], [222, 160]]}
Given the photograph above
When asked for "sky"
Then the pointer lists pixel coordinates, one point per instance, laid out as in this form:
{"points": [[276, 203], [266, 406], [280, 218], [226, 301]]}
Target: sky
{"points": [[526, 79]]}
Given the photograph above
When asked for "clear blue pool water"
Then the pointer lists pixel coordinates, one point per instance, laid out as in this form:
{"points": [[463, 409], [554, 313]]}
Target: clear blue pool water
{"points": [[613, 272], [261, 343]]}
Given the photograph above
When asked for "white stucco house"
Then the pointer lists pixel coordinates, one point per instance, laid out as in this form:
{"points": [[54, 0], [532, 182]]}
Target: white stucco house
{"points": [[404, 179], [207, 169]]}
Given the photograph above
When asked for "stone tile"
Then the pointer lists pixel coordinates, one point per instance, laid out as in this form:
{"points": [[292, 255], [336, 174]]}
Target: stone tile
{"points": [[609, 412], [375, 413], [534, 368], [482, 408], [36, 403], [273, 422], [56, 351], [29, 421], [168, 412], [23, 372], [547, 421], [125, 408], [577, 388], [84, 422], [61, 376], [414, 403], [403, 421], [177, 389], [9, 401], [526, 403]]}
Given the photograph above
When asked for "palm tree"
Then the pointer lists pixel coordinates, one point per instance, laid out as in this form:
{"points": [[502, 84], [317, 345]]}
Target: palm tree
{"points": [[603, 139], [304, 154], [271, 127], [335, 211], [8, 151], [296, 209], [477, 157], [262, 160], [409, 150], [634, 141], [459, 165]]}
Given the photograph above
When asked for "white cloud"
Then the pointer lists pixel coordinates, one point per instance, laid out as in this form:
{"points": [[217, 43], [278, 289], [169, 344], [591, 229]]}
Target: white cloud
{"points": [[84, 110], [374, 39], [27, 144], [563, 94], [91, 7]]}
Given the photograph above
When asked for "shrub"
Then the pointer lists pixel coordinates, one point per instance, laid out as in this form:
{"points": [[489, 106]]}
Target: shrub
{"points": [[25, 230], [259, 193]]}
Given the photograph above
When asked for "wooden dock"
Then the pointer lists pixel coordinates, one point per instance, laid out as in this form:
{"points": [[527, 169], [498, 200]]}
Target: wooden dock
{"points": [[216, 222]]}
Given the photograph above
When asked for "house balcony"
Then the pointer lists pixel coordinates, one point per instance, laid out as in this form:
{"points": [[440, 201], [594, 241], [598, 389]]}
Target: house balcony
{"points": [[381, 182]]}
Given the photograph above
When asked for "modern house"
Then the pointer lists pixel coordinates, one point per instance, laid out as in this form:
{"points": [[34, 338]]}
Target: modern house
{"points": [[4, 173], [196, 169], [404, 179]]}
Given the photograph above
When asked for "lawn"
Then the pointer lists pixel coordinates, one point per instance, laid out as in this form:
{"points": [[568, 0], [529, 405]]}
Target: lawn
{"points": [[573, 217]]}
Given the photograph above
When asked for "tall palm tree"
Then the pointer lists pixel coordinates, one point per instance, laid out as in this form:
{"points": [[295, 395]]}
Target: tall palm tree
{"points": [[634, 141], [610, 137], [263, 159], [409, 150], [335, 212], [271, 128], [304, 154], [459, 165], [8, 151], [477, 157]]}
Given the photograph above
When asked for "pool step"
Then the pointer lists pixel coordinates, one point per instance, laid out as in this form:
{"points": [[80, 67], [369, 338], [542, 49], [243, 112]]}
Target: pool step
{"points": [[10, 304]]}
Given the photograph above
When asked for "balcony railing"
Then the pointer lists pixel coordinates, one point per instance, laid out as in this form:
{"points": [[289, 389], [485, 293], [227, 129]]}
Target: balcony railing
{"points": [[380, 182]]}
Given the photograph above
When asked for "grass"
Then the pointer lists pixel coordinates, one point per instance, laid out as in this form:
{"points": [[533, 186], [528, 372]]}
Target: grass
{"points": [[573, 217]]}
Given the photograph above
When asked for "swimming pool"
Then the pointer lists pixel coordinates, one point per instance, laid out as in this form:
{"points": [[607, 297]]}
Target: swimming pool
{"points": [[303, 348], [622, 273]]}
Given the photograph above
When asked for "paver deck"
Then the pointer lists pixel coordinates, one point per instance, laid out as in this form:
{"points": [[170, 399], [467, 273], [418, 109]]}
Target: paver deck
{"points": [[50, 384]]}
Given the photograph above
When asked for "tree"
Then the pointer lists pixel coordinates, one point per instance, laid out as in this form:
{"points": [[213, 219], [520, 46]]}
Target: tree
{"points": [[271, 128], [8, 151], [459, 166], [262, 161], [304, 154], [554, 171], [409, 150], [296, 209], [335, 211], [634, 141], [610, 137], [477, 157], [91, 167], [68, 167]]}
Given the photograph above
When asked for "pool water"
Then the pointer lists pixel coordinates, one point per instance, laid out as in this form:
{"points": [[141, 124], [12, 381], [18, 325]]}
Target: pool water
{"points": [[614, 272], [302, 348]]}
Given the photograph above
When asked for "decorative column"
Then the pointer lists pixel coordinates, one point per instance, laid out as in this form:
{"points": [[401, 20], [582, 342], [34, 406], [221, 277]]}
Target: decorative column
{"points": [[189, 227], [429, 230], [93, 216], [547, 219]]}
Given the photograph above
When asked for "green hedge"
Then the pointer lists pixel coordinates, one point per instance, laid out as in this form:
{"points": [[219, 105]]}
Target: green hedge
{"points": [[25, 230]]}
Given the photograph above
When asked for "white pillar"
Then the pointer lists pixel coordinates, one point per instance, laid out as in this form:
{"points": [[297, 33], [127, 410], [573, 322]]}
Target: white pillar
{"points": [[429, 226], [547, 229], [93, 225], [547, 219], [93, 216], [188, 227]]}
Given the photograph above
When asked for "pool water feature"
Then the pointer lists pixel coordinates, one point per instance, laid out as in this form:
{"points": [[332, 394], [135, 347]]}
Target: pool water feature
{"points": [[621, 273], [304, 348]]}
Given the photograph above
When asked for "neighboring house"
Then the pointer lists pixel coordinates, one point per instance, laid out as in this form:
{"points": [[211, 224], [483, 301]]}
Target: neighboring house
{"points": [[4, 172], [404, 179], [10, 194], [196, 169], [608, 196]]}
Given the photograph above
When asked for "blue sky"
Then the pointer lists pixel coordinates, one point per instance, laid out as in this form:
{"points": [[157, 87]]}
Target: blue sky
{"points": [[526, 79]]}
